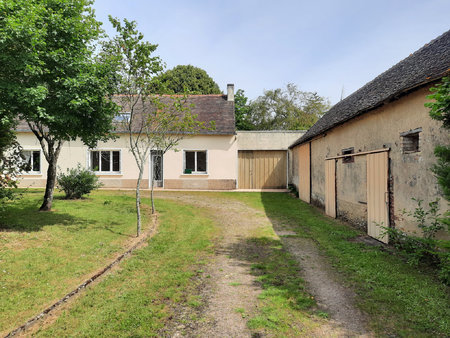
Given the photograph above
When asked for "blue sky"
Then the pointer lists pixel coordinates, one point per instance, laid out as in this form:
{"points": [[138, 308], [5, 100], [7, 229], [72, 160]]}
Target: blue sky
{"points": [[319, 45]]}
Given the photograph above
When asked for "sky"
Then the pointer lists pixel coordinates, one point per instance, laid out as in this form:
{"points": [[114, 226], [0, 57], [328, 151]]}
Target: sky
{"points": [[324, 46]]}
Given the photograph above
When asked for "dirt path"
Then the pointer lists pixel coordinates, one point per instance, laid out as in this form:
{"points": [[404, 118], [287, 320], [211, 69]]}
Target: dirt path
{"points": [[231, 285]]}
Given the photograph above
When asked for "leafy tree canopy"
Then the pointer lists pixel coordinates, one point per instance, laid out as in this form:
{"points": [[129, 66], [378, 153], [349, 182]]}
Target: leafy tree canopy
{"points": [[185, 79], [440, 107], [286, 109], [50, 77], [440, 110], [242, 111]]}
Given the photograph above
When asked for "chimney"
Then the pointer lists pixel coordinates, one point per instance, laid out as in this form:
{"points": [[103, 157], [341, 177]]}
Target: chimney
{"points": [[230, 92]]}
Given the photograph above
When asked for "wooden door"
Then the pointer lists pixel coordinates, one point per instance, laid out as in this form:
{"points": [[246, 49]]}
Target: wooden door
{"points": [[330, 188], [304, 173], [265, 169], [377, 195], [245, 175]]}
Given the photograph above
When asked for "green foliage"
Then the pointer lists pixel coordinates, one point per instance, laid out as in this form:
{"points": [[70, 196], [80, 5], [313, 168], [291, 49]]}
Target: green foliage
{"points": [[422, 250], [287, 109], [185, 79], [429, 221], [440, 110], [51, 77], [440, 107], [49, 74], [155, 122], [11, 162], [78, 182], [442, 169], [242, 111]]}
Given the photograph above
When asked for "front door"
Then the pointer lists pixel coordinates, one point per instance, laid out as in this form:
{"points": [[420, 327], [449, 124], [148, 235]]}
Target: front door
{"points": [[157, 168]]}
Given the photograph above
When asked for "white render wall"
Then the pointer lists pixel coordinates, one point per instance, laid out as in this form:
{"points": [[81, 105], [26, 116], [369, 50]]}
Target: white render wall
{"points": [[221, 165]]}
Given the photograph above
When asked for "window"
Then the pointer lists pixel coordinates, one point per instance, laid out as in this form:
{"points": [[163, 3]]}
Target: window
{"points": [[122, 117], [195, 162], [410, 141], [105, 161], [348, 159], [32, 160]]}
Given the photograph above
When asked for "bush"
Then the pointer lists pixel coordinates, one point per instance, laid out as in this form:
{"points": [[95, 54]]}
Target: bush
{"points": [[77, 182], [426, 250]]}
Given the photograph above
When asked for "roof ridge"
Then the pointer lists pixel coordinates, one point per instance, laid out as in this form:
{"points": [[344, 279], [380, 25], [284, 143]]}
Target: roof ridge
{"points": [[427, 64]]}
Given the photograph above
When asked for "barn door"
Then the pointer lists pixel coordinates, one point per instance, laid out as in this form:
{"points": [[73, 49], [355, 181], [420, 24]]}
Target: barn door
{"points": [[304, 174], [246, 164], [330, 188], [377, 195], [262, 169]]}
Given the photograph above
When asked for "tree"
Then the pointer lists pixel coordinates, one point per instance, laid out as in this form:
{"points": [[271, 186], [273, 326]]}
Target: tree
{"points": [[11, 162], [242, 111], [151, 122], [136, 68], [171, 122], [287, 109], [440, 110], [51, 78], [185, 79]]}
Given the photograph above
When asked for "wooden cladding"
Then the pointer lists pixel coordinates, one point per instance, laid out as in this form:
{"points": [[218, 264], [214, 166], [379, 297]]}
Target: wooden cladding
{"points": [[304, 173], [377, 195], [265, 169], [330, 188]]}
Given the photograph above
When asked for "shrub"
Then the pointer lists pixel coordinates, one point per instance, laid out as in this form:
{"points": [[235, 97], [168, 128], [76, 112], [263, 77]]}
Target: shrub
{"points": [[77, 182], [426, 250]]}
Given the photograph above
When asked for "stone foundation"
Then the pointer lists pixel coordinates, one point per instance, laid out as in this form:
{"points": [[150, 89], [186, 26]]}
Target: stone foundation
{"points": [[200, 184]]}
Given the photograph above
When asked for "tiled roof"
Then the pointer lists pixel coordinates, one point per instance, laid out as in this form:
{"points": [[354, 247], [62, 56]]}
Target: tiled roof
{"points": [[426, 65], [208, 108]]}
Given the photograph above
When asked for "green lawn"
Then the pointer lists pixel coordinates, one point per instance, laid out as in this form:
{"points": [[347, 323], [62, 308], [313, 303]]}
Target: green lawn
{"points": [[400, 299], [44, 255], [136, 300]]}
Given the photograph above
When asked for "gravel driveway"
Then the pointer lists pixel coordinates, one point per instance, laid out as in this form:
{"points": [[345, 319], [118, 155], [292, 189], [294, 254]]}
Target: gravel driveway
{"points": [[230, 284]]}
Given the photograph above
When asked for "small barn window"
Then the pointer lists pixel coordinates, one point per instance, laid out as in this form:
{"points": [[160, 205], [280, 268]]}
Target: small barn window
{"points": [[410, 141], [348, 159]]}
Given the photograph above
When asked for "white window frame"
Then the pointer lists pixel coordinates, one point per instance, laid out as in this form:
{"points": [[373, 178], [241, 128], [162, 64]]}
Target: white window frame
{"points": [[32, 172], [111, 172], [122, 117], [195, 172]]}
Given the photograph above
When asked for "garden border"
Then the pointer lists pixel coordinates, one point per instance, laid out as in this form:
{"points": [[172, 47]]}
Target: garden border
{"points": [[147, 235]]}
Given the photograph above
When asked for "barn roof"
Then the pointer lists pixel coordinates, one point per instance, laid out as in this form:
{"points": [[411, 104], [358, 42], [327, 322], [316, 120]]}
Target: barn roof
{"points": [[429, 63]]}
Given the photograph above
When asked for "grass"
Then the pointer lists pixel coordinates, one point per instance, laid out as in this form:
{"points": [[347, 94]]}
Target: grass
{"points": [[44, 255], [137, 299], [400, 299], [285, 308]]}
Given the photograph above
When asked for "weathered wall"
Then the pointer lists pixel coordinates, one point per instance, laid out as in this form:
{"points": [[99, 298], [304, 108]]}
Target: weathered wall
{"points": [[293, 167], [411, 175]]}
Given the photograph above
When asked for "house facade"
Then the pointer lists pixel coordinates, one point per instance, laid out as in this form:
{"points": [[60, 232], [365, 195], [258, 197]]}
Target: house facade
{"points": [[206, 160], [212, 159], [371, 153]]}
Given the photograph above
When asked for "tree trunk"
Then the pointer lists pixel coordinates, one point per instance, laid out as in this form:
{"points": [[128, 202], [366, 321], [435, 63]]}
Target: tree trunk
{"points": [[151, 194], [49, 187], [138, 202], [52, 159]]}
